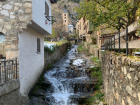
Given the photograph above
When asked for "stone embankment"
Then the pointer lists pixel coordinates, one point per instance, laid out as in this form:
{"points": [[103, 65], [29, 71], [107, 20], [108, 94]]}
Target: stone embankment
{"points": [[93, 49], [121, 76], [51, 57]]}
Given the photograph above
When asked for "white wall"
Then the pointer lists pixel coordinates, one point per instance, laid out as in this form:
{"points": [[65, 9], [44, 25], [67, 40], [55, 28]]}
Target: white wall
{"points": [[38, 9], [31, 64], [70, 29]]}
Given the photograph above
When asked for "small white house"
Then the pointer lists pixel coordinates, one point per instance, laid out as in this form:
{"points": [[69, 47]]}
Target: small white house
{"points": [[70, 29], [23, 25]]}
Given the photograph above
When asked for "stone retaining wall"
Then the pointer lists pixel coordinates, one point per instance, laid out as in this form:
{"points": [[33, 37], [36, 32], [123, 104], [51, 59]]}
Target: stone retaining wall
{"points": [[9, 94], [121, 79], [93, 50], [51, 57]]}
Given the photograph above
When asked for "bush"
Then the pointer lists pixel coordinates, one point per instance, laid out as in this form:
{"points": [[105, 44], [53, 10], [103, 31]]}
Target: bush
{"points": [[98, 74], [49, 50], [80, 48]]}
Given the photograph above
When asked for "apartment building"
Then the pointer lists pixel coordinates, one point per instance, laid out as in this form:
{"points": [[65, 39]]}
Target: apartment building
{"points": [[84, 28], [80, 28]]}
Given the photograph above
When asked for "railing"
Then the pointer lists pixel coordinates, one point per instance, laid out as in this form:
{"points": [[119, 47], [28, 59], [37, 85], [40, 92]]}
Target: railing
{"points": [[110, 44], [8, 70]]}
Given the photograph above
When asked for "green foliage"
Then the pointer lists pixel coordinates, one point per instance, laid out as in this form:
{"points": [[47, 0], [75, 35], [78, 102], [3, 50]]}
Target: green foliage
{"points": [[109, 12], [63, 41], [98, 95], [35, 89], [80, 48], [96, 72], [50, 66], [74, 35], [45, 39], [49, 50], [94, 40], [54, 34], [95, 60], [95, 46]]}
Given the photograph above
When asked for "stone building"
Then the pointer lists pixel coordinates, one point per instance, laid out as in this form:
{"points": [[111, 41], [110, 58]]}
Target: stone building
{"points": [[65, 19], [23, 24]]}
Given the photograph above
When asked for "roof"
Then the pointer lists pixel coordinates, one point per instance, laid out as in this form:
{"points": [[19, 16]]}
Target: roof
{"points": [[70, 25], [65, 11]]}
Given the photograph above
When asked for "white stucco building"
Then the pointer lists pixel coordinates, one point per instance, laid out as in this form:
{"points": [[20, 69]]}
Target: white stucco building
{"points": [[70, 29], [28, 21]]}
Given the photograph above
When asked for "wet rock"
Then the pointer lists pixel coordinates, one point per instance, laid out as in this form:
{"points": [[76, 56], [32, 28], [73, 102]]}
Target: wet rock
{"points": [[40, 92], [38, 101]]}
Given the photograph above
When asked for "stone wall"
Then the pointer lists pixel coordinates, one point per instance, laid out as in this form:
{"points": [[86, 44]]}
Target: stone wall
{"points": [[93, 49], [14, 16], [120, 79], [72, 42], [9, 94], [51, 57], [89, 38]]}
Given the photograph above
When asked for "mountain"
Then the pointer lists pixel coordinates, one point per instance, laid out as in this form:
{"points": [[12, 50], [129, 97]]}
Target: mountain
{"points": [[69, 5]]}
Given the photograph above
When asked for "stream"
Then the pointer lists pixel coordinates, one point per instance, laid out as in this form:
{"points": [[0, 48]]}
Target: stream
{"points": [[67, 80]]}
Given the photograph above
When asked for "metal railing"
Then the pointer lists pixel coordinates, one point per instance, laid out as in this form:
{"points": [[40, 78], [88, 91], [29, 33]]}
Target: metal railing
{"points": [[8, 70], [109, 43]]}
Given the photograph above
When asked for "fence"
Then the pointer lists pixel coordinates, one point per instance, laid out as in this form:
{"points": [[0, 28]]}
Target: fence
{"points": [[110, 44], [8, 70]]}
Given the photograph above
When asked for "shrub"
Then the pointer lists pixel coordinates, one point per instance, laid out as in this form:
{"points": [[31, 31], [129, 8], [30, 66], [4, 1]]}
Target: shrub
{"points": [[49, 50], [80, 48]]}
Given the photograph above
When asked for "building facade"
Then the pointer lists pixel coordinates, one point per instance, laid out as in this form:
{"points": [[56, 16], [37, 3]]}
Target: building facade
{"points": [[65, 19], [80, 28], [70, 29], [23, 25], [85, 30]]}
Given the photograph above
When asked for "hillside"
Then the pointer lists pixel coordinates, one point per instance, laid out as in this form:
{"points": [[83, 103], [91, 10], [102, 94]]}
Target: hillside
{"points": [[57, 10]]}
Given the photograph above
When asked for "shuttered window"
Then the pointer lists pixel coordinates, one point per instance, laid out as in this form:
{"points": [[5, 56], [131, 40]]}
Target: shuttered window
{"points": [[38, 45], [46, 9]]}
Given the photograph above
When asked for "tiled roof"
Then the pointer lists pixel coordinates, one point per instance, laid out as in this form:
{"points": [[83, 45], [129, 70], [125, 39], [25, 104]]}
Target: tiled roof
{"points": [[65, 11]]}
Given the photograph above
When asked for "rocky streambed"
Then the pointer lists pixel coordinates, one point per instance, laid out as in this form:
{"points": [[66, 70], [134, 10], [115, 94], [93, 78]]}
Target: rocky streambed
{"points": [[67, 82]]}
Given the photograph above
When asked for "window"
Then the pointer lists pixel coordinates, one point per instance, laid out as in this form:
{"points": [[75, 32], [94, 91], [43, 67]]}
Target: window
{"points": [[65, 20], [65, 17], [2, 46], [38, 45], [64, 14], [46, 9]]}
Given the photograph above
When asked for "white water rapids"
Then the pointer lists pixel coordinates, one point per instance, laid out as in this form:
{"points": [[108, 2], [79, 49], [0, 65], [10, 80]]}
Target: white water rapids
{"points": [[60, 90]]}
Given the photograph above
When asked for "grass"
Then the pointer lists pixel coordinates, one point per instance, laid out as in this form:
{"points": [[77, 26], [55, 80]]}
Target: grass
{"points": [[58, 45], [95, 46], [98, 74], [96, 60], [80, 48], [98, 96]]}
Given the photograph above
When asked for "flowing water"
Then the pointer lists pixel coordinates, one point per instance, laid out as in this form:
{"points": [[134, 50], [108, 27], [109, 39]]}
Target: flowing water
{"points": [[61, 76]]}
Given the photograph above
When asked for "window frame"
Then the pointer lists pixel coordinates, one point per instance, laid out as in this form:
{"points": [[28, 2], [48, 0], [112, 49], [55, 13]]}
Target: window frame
{"points": [[46, 9], [38, 45]]}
